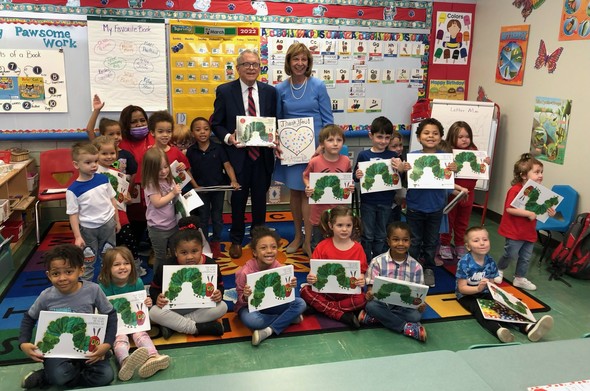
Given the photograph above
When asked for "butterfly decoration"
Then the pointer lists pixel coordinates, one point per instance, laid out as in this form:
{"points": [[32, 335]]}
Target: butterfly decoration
{"points": [[549, 60], [527, 6], [481, 95]]}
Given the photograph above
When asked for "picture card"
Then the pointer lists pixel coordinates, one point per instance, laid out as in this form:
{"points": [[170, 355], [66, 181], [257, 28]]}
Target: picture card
{"points": [[132, 313], [471, 164], [399, 292], [378, 175], [270, 288], [297, 140], [335, 276], [189, 286], [536, 198], [256, 131], [120, 184], [187, 202], [507, 300], [69, 334], [429, 171], [180, 176], [330, 188]]}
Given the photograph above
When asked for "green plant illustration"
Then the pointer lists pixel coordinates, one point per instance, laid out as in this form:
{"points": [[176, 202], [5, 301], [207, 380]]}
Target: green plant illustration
{"points": [[329, 181], [533, 195], [188, 274], [428, 161], [269, 280], [379, 169], [471, 159], [404, 291], [74, 325], [334, 269]]}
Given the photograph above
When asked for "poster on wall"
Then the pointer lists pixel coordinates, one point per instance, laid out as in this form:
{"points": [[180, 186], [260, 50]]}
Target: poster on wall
{"points": [[453, 32], [446, 89], [128, 62], [202, 56], [550, 127], [512, 54], [575, 20]]}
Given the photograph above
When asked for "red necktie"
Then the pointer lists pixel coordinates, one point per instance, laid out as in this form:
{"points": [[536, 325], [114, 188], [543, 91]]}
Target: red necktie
{"points": [[253, 152]]}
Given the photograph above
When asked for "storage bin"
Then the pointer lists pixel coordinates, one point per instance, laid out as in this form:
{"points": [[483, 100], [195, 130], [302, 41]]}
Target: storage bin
{"points": [[5, 156], [4, 210], [13, 228], [32, 182]]}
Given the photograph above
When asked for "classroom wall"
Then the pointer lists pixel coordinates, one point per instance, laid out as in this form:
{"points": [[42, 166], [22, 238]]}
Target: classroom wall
{"points": [[569, 81]]}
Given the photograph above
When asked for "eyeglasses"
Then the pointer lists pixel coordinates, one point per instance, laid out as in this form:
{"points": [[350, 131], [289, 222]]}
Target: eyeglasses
{"points": [[253, 65]]}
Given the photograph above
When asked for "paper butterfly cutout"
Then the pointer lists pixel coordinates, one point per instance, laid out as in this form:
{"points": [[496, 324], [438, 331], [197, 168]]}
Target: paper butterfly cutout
{"points": [[550, 60], [481, 95]]}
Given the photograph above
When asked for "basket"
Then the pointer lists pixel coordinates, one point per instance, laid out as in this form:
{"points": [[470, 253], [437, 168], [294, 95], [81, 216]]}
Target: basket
{"points": [[19, 154]]}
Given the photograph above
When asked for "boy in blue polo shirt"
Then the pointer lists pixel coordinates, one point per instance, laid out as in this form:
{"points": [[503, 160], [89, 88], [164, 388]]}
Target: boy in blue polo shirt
{"points": [[210, 166]]}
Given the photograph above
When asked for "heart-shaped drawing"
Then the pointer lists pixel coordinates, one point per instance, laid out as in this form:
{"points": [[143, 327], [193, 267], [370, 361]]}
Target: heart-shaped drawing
{"points": [[296, 140]]}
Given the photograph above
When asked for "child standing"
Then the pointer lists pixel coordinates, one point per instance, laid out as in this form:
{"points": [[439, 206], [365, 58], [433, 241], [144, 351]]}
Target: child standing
{"points": [[187, 245], [64, 265], [208, 160], [182, 137], [265, 247], [396, 145], [518, 226], [91, 205], [396, 263], [119, 275], [330, 160], [460, 136], [342, 228], [376, 207], [160, 192], [474, 270]]}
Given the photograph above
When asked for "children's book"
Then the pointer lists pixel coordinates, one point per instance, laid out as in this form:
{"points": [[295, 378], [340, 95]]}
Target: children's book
{"points": [[189, 286], [470, 164], [69, 334], [270, 288], [330, 188], [399, 292], [132, 313], [120, 184], [186, 202], [453, 203], [378, 175], [429, 171], [536, 198], [180, 176], [256, 131], [505, 307], [297, 140], [335, 276]]}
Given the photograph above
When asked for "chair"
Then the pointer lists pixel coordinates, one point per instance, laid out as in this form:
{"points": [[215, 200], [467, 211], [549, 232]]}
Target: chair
{"points": [[56, 173], [564, 216]]}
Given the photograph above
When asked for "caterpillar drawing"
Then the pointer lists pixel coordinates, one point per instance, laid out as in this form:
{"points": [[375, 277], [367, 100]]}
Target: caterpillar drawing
{"points": [[519, 306], [74, 325], [404, 292], [270, 280], [469, 157], [533, 193], [129, 317], [192, 275], [379, 169], [326, 182], [334, 269], [429, 161]]}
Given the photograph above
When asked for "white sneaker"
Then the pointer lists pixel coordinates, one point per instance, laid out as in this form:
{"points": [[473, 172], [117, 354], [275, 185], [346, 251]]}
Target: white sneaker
{"points": [[445, 252], [504, 335], [500, 277], [522, 282], [540, 328]]}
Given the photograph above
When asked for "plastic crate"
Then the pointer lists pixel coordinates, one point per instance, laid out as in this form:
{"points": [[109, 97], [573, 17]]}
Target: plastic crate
{"points": [[14, 229]]}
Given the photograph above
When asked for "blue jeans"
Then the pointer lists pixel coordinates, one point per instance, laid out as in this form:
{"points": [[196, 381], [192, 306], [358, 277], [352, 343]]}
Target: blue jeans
{"points": [[374, 238], [72, 373], [392, 316], [425, 233], [520, 249], [212, 209], [277, 318]]}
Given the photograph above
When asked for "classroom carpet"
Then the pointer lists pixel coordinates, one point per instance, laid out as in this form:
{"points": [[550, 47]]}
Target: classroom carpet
{"points": [[30, 281]]}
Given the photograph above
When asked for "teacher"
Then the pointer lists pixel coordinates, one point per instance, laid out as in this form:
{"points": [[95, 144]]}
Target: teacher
{"points": [[301, 96], [253, 165]]}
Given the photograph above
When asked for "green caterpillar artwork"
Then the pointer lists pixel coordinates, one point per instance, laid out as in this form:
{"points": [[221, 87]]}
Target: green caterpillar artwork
{"points": [[429, 161], [255, 126], [334, 269], [531, 205], [114, 181], [469, 157], [326, 182], [192, 275], [281, 291], [74, 325], [379, 169], [405, 293], [519, 306], [129, 317]]}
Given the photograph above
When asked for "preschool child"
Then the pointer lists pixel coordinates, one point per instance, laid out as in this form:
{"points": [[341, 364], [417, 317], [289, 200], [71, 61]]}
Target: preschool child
{"points": [[210, 166], [376, 207], [160, 192], [119, 275], [330, 160], [91, 206], [396, 145], [64, 265], [518, 226], [187, 246], [474, 270], [342, 229], [460, 136], [399, 264], [182, 137], [265, 248]]}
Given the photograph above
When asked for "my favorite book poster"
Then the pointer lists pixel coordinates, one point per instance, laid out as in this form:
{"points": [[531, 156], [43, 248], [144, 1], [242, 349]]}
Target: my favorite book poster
{"points": [[297, 140], [505, 307], [189, 286], [330, 188], [430, 171], [378, 175], [536, 198], [270, 288], [335, 276], [399, 292], [132, 313], [256, 131]]}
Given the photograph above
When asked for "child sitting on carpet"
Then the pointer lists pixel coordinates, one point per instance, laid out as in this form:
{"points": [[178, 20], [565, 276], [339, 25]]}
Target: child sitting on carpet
{"points": [[119, 275], [64, 265], [187, 245], [474, 270], [342, 227], [265, 245], [395, 263]]}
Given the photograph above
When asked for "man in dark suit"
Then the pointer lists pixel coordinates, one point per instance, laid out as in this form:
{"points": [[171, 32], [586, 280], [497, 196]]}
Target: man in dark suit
{"points": [[253, 165]]}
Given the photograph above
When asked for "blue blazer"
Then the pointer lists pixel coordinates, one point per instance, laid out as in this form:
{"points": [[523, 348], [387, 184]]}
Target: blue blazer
{"points": [[229, 104]]}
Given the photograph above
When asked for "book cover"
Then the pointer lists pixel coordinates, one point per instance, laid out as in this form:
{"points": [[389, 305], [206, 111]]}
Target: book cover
{"points": [[132, 313], [536, 198], [335, 276], [189, 286], [471, 164], [505, 307], [119, 182], [378, 175], [399, 292], [256, 131], [270, 288], [429, 171], [330, 188]]}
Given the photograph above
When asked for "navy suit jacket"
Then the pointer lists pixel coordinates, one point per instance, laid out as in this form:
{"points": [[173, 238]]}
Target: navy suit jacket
{"points": [[229, 104]]}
